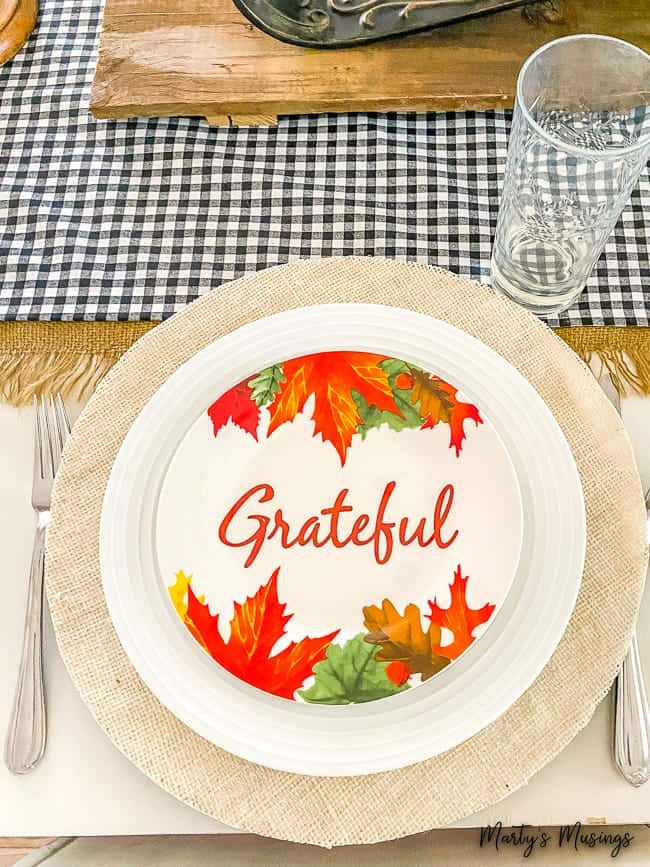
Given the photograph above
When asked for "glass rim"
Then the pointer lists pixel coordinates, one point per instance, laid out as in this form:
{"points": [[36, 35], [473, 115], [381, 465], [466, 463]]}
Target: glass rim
{"points": [[549, 137]]}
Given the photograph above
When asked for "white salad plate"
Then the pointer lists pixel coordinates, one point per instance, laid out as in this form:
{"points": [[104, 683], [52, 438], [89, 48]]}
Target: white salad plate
{"points": [[342, 539]]}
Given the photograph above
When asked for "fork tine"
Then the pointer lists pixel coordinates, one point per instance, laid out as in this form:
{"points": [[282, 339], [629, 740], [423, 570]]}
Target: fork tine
{"points": [[61, 424], [60, 429], [52, 445], [46, 441], [38, 439], [63, 413], [56, 441]]}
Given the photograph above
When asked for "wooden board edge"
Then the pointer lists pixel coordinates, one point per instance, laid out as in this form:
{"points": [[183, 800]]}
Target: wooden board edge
{"points": [[220, 115], [242, 119]]}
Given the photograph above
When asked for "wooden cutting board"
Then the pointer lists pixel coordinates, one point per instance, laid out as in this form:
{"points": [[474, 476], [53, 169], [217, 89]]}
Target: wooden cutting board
{"points": [[207, 59]]}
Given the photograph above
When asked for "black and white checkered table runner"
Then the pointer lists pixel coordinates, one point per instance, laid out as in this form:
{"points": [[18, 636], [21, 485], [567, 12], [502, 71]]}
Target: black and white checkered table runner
{"points": [[131, 220]]}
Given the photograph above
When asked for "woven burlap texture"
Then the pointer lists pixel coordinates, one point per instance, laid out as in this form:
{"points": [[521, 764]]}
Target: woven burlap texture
{"points": [[487, 767]]}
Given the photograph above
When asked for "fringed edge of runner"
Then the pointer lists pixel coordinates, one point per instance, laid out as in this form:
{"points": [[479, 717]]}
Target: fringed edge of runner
{"points": [[625, 352], [68, 358], [71, 358]]}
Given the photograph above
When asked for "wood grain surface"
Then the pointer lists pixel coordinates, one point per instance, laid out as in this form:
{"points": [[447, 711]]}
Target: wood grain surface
{"points": [[17, 20], [12, 849], [204, 58], [7, 10]]}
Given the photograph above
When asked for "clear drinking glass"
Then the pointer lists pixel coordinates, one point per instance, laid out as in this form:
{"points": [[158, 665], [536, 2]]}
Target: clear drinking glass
{"points": [[580, 139]]}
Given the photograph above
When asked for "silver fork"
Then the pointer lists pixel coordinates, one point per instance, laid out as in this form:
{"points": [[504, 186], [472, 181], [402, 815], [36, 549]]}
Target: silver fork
{"points": [[27, 731], [631, 713]]}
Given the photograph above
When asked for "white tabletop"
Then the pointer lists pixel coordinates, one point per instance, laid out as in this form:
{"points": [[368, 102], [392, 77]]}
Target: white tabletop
{"points": [[84, 786]]}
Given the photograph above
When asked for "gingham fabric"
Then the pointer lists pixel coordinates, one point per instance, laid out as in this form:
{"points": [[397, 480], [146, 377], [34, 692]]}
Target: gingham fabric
{"points": [[133, 219]]}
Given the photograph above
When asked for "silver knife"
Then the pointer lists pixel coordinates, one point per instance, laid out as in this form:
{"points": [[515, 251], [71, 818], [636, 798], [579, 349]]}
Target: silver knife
{"points": [[631, 715]]}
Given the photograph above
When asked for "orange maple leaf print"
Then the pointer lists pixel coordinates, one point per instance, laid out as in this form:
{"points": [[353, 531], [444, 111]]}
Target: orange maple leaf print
{"points": [[458, 618], [332, 377], [257, 625]]}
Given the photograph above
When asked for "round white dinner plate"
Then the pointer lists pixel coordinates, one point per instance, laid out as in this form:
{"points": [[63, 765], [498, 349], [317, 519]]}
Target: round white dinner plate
{"points": [[342, 539]]}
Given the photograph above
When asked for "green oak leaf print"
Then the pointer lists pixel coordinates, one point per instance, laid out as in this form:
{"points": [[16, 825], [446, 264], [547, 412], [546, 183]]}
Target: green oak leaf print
{"points": [[350, 674], [266, 384]]}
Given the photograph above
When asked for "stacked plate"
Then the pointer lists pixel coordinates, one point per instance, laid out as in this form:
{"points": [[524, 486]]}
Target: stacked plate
{"points": [[342, 539]]}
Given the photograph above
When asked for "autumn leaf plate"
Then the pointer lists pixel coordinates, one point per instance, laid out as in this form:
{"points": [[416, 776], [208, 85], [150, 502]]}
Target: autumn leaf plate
{"points": [[342, 539]]}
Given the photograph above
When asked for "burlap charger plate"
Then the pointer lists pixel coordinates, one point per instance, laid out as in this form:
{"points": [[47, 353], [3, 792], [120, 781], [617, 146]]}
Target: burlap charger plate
{"points": [[341, 810]]}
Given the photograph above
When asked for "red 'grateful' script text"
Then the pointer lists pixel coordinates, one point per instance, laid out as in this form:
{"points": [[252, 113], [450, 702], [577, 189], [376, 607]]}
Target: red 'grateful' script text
{"points": [[324, 529]]}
